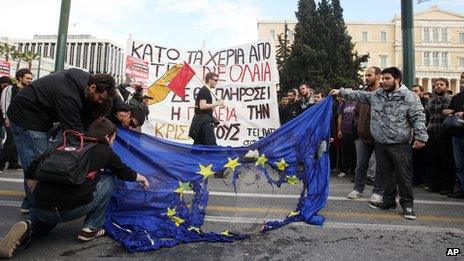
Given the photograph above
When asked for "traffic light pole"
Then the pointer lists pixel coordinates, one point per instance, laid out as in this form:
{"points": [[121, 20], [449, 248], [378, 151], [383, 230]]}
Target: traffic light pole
{"points": [[407, 26], [62, 34]]}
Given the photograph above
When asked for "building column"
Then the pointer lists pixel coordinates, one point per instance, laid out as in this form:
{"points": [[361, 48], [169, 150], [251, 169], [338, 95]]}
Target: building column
{"points": [[429, 85], [419, 81]]}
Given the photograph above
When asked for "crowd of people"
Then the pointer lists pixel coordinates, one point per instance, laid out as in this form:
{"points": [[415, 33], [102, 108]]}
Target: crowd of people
{"points": [[391, 136]]}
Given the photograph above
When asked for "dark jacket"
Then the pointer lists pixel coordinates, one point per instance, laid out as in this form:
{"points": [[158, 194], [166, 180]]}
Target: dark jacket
{"points": [[48, 196], [58, 97], [362, 119], [198, 121]]}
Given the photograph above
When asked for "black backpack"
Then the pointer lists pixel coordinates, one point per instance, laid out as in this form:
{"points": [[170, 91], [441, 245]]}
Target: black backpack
{"points": [[67, 164]]}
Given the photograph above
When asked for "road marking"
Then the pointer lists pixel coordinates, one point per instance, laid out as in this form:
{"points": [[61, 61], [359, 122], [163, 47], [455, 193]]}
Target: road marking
{"points": [[254, 195], [329, 224], [378, 215]]}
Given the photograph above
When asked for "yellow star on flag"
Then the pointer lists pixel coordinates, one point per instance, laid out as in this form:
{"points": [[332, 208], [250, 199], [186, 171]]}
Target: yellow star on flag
{"points": [[261, 160], [293, 213], [226, 233], [281, 165], [206, 172], [232, 163], [171, 214], [182, 187], [292, 180]]}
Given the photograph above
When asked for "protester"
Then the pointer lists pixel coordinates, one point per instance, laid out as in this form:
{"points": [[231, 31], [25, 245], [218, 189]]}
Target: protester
{"points": [[283, 107], [461, 83], [456, 106], [125, 115], [9, 154], [66, 97], [346, 134], [396, 114], [136, 98], [4, 82], [306, 99], [57, 203], [202, 127], [291, 110], [365, 141], [318, 96], [419, 155], [439, 145]]}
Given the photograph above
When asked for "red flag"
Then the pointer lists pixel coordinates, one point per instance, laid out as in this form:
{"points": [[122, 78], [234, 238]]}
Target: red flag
{"points": [[180, 81]]}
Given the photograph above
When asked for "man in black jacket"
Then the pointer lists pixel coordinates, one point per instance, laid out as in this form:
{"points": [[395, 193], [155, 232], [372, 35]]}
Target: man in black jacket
{"points": [[65, 97], [55, 204]]}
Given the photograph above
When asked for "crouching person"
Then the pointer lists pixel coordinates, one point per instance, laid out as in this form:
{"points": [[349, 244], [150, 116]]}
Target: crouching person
{"points": [[55, 203]]}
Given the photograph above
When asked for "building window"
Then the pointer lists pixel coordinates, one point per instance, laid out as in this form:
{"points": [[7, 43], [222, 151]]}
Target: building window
{"points": [[52, 51], [86, 53], [426, 59], [435, 35], [364, 36], [435, 56], [461, 38], [426, 34], [444, 59], [290, 35], [461, 62], [383, 61], [273, 34], [383, 36], [444, 35]]}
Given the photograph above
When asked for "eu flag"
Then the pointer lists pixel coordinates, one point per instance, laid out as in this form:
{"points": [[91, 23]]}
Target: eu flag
{"points": [[146, 220]]}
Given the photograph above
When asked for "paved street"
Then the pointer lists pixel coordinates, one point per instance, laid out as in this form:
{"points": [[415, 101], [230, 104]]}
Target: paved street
{"points": [[352, 231]]}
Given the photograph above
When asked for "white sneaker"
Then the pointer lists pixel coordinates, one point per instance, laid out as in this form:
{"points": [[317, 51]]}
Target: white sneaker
{"points": [[341, 175], [355, 195], [375, 198]]}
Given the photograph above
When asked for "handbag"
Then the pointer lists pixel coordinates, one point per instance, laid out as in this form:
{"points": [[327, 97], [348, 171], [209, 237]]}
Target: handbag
{"points": [[454, 125]]}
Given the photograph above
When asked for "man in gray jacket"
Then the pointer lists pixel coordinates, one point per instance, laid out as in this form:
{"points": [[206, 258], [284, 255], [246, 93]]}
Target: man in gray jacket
{"points": [[397, 116]]}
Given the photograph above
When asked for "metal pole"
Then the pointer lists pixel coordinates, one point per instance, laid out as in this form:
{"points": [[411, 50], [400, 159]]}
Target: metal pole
{"points": [[38, 68], [407, 26], [62, 34]]}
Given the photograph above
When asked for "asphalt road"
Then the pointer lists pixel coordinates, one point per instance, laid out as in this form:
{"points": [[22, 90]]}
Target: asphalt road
{"points": [[352, 230]]}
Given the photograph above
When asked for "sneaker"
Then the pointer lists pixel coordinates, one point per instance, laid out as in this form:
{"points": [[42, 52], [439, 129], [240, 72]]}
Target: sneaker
{"points": [[431, 189], [445, 192], [17, 235], [383, 206], [375, 198], [409, 213], [88, 234], [355, 195], [459, 194], [341, 174]]}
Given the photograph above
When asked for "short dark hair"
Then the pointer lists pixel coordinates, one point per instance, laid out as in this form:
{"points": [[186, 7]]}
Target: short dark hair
{"points": [[319, 92], [305, 84], [138, 113], [419, 86], [104, 82], [210, 76], [395, 72], [450, 92], [6, 79], [100, 128], [377, 70], [21, 72], [292, 91], [443, 80]]}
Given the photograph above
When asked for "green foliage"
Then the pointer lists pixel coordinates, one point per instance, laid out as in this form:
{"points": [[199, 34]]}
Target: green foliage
{"points": [[322, 53]]}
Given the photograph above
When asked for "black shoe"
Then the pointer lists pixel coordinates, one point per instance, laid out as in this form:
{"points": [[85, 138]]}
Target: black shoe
{"points": [[459, 194], [445, 192], [432, 189], [409, 213], [383, 206], [14, 166]]}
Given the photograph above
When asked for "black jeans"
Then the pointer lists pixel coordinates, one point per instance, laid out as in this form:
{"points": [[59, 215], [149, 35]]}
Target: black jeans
{"points": [[440, 164], [9, 153], [348, 153], [206, 135], [394, 170]]}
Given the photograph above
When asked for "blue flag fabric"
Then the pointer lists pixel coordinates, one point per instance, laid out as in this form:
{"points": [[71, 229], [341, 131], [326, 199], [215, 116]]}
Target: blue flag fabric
{"points": [[144, 220]]}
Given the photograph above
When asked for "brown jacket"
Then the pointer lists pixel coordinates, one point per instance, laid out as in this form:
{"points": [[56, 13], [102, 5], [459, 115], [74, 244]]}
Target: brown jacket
{"points": [[362, 119]]}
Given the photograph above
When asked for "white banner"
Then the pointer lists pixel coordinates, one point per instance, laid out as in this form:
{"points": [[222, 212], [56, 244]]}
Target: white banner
{"points": [[248, 78]]}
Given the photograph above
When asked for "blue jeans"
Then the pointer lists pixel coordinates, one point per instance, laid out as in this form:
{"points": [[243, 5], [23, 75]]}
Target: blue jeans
{"points": [[458, 149], [364, 153], [44, 220], [29, 144]]}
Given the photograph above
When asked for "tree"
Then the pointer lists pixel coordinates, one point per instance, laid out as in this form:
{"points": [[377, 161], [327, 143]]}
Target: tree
{"points": [[18, 57], [283, 49], [7, 50], [322, 53], [29, 57]]}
